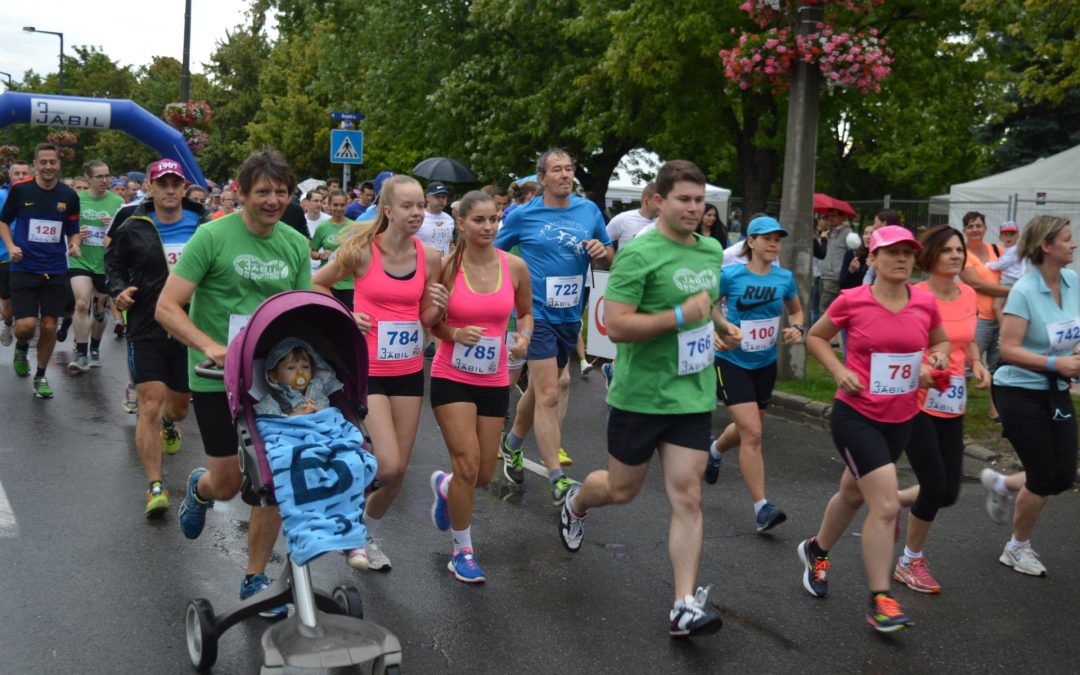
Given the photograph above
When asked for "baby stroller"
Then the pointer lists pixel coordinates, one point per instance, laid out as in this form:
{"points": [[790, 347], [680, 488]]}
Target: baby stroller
{"points": [[325, 631]]}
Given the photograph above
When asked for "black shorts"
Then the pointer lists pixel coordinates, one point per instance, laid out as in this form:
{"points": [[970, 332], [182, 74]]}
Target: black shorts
{"points": [[99, 279], [554, 340], [215, 425], [159, 360], [1042, 428], [735, 384], [398, 385], [39, 294], [865, 444], [345, 295], [489, 401], [5, 280], [633, 437]]}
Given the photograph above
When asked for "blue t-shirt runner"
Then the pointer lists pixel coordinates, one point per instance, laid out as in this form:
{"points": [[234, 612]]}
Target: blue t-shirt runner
{"points": [[755, 303], [41, 221], [175, 235]]}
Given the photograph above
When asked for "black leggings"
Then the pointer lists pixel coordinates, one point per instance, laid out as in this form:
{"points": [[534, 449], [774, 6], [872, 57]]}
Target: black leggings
{"points": [[936, 453], [1041, 425]]}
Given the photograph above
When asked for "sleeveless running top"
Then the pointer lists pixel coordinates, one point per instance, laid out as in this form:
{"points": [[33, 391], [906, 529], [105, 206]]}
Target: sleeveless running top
{"points": [[491, 311], [396, 340]]}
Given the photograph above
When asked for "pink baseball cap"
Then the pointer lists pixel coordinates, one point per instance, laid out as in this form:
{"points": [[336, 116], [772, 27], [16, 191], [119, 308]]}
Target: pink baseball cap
{"points": [[890, 235], [163, 167]]}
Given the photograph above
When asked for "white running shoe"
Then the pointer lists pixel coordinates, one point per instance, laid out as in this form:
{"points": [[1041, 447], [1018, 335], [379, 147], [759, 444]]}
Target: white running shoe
{"points": [[131, 400], [997, 504], [6, 335], [357, 558], [1023, 559], [377, 560]]}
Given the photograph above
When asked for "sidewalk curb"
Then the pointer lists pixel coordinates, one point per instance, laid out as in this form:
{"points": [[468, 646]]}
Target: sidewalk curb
{"points": [[817, 413]]}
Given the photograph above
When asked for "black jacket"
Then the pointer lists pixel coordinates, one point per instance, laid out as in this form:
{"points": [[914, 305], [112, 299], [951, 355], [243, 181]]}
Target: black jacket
{"points": [[136, 257]]}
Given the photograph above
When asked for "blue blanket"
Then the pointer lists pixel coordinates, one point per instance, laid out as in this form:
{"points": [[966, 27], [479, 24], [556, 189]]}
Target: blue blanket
{"points": [[320, 471]]}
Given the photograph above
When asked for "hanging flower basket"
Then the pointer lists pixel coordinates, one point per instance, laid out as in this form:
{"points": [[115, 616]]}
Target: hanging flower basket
{"points": [[8, 153], [187, 114], [63, 138]]}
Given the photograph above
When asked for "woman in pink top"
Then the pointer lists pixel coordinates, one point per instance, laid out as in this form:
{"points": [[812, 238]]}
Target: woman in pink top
{"points": [[470, 385], [397, 294], [889, 327], [936, 449]]}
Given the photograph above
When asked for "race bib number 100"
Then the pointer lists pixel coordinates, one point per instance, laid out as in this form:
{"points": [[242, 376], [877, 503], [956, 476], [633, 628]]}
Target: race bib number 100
{"points": [[894, 374], [760, 334], [399, 340], [695, 349]]}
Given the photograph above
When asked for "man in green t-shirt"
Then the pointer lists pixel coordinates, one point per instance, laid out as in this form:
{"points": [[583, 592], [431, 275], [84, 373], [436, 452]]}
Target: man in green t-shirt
{"points": [[97, 206], [659, 301], [229, 266], [325, 241]]}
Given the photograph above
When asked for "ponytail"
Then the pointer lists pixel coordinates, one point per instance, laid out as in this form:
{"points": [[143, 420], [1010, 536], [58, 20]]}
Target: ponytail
{"points": [[361, 235]]}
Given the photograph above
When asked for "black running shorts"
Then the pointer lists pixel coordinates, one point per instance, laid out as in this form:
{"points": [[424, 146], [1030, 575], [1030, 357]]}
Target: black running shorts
{"points": [[99, 279], [159, 360], [38, 294], [397, 385], [865, 444], [633, 437], [735, 384], [489, 401], [215, 425]]}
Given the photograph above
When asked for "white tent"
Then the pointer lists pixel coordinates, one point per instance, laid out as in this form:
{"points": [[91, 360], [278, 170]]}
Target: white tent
{"points": [[627, 182], [1046, 186]]}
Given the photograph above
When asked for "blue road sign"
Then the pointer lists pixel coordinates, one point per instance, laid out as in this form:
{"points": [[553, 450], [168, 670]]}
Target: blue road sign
{"points": [[346, 147], [355, 117]]}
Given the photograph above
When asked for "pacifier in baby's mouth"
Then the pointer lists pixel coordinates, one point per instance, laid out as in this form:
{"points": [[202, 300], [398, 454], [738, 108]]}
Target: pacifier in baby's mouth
{"points": [[299, 381]]}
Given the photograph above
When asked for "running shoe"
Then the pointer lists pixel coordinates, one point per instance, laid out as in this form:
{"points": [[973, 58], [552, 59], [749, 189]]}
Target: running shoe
{"points": [[513, 462], [6, 335], [20, 362], [769, 517], [559, 488], [357, 558], [79, 364], [586, 368], [157, 500], [95, 358], [815, 574], [118, 330], [42, 388], [608, 370], [192, 509], [564, 459], [377, 560], [916, 575], [61, 333], [463, 565], [886, 615], [997, 504], [571, 526], [258, 584], [131, 400], [694, 618], [440, 515], [1023, 559], [712, 466], [170, 438]]}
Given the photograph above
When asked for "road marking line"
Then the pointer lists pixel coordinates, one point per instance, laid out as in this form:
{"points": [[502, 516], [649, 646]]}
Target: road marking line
{"points": [[9, 527], [538, 469]]}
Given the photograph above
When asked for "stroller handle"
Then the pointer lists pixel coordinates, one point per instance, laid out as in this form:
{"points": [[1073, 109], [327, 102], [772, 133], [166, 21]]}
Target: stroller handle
{"points": [[209, 370]]}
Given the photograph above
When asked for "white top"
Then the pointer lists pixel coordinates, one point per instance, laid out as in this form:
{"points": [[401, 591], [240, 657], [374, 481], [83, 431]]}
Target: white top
{"points": [[1011, 266], [312, 224], [627, 225], [437, 230]]}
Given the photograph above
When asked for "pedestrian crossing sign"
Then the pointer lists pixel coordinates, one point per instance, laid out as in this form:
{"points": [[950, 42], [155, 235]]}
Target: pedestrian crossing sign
{"points": [[346, 147]]}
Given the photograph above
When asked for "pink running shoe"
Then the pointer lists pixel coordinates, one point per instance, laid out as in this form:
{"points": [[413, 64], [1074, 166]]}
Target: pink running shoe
{"points": [[916, 575]]}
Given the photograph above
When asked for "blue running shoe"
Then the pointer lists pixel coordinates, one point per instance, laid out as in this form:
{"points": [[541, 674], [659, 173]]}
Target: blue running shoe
{"points": [[193, 509], [608, 369], [440, 515], [464, 567], [258, 584], [769, 517], [712, 468]]}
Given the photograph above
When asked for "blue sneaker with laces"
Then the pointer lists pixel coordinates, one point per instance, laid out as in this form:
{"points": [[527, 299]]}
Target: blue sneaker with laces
{"points": [[712, 468], [464, 567], [193, 510], [440, 514], [769, 517], [608, 369], [257, 584]]}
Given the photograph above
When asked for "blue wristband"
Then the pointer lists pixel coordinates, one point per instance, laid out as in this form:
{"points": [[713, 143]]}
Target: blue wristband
{"points": [[1050, 364], [679, 317]]}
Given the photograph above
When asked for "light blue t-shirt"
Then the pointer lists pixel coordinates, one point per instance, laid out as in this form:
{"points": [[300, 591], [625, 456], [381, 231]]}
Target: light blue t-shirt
{"points": [[551, 243], [1030, 299], [178, 232], [759, 298]]}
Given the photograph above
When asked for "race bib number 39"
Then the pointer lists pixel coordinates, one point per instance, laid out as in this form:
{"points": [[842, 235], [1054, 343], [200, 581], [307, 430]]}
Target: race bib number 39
{"points": [[45, 231], [481, 358], [760, 334], [563, 292], [399, 340], [695, 349], [952, 401], [1064, 336], [894, 374]]}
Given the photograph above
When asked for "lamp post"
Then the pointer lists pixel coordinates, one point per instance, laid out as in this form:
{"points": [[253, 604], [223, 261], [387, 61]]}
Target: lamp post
{"points": [[8, 76], [31, 29], [185, 72]]}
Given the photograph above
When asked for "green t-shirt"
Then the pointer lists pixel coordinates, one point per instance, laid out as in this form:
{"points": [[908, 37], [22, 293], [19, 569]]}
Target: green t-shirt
{"points": [[655, 274], [326, 237], [234, 271], [91, 211]]}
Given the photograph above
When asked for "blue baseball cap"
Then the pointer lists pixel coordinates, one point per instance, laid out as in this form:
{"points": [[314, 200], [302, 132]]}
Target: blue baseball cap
{"points": [[765, 225]]}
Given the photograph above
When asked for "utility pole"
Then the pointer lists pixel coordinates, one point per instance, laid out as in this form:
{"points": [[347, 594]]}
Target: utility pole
{"points": [[797, 198], [185, 73]]}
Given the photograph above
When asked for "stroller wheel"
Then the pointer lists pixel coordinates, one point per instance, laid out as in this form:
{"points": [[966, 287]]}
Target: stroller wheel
{"points": [[348, 599], [201, 632], [381, 667]]}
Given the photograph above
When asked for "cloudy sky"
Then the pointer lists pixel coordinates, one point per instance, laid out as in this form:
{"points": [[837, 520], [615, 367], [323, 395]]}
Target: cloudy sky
{"points": [[131, 33]]}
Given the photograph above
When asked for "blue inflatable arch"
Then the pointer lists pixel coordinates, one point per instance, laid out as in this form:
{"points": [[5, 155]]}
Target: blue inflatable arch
{"points": [[100, 114]]}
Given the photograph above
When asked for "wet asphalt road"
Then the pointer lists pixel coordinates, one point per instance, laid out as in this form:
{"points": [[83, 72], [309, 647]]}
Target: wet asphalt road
{"points": [[87, 585]]}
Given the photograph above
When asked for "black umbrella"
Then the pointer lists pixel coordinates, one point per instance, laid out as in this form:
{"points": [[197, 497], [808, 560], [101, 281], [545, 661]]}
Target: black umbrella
{"points": [[444, 169]]}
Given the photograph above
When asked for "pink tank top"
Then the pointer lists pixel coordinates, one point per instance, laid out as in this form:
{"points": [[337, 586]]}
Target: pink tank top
{"points": [[396, 340], [483, 364]]}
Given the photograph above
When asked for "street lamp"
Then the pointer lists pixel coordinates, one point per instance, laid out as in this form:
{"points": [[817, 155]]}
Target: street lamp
{"points": [[31, 29]]}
